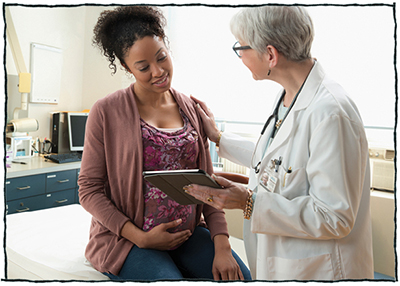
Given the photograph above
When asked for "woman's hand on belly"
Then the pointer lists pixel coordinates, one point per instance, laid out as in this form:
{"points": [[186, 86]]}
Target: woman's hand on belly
{"points": [[157, 238]]}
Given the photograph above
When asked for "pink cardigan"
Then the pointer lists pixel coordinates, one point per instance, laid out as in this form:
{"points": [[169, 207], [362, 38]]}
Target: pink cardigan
{"points": [[110, 180]]}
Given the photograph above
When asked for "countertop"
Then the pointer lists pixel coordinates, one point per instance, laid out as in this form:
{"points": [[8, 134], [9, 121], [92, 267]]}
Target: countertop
{"points": [[37, 165]]}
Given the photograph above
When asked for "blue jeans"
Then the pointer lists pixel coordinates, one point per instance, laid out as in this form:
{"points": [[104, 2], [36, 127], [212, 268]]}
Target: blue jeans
{"points": [[192, 260]]}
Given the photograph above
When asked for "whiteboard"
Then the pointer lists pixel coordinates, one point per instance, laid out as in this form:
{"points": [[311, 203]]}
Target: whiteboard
{"points": [[46, 65]]}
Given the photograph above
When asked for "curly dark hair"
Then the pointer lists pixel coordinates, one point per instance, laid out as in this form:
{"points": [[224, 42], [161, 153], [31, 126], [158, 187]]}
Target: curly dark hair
{"points": [[117, 30]]}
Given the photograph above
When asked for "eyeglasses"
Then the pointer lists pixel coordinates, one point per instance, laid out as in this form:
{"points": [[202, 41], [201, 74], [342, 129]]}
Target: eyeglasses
{"points": [[238, 49]]}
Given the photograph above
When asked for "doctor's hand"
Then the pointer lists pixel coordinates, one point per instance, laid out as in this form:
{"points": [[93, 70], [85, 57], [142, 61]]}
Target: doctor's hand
{"points": [[210, 127], [231, 196]]}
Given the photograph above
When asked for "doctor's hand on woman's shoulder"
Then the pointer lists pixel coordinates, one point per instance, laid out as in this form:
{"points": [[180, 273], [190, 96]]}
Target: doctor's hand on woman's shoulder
{"points": [[210, 127]]}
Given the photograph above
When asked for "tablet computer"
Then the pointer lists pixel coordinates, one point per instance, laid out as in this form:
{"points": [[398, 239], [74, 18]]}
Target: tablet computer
{"points": [[171, 182]]}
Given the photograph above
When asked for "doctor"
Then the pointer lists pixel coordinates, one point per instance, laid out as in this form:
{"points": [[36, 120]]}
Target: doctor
{"points": [[306, 206]]}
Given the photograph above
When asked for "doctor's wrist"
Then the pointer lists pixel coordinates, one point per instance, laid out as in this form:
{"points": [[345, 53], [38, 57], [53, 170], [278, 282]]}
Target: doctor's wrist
{"points": [[218, 138], [248, 209]]}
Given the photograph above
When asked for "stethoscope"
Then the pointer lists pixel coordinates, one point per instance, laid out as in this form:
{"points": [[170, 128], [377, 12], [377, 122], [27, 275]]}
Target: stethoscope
{"points": [[277, 124]]}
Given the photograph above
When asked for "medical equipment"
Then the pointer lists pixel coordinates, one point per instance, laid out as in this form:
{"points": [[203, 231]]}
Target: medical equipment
{"points": [[22, 125], [19, 143], [21, 147]]}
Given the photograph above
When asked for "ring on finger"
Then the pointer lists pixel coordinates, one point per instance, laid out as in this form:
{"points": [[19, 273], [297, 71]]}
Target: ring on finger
{"points": [[210, 199]]}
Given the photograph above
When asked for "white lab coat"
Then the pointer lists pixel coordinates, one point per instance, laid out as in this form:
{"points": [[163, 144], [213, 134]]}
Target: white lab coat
{"points": [[316, 224]]}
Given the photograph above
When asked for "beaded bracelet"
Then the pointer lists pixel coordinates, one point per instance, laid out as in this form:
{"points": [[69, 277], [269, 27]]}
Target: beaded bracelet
{"points": [[249, 205]]}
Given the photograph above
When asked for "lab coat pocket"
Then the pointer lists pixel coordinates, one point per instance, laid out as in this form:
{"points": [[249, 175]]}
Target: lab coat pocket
{"points": [[295, 183], [310, 268]]}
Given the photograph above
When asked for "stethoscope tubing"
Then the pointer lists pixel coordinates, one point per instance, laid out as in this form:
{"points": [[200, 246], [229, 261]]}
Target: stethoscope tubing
{"points": [[274, 115]]}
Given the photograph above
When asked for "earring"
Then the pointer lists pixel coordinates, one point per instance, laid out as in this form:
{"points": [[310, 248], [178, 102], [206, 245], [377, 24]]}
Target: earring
{"points": [[269, 72]]}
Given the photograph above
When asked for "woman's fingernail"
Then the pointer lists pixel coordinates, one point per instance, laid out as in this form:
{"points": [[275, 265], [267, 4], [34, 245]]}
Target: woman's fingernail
{"points": [[198, 105]]}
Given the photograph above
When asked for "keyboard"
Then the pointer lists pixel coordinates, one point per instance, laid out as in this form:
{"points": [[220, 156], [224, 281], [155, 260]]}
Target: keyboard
{"points": [[65, 158]]}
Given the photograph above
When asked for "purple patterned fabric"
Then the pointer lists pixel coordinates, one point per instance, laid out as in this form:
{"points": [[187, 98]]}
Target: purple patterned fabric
{"points": [[168, 151]]}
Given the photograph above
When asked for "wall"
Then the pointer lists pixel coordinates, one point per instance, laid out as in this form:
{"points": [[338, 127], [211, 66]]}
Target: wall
{"points": [[58, 27], [206, 66], [97, 78]]}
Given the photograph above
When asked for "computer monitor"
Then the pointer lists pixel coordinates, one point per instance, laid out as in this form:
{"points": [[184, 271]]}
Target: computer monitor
{"points": [[76, 130]]}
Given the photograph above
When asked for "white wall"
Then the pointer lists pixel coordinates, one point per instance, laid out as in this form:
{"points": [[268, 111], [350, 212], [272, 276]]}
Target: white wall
{"points": [[206, 66], [58, 27], [97, 78]]}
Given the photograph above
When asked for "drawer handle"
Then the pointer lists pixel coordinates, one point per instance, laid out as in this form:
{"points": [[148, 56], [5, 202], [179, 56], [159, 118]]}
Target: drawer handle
{"points": [[62, 201], [24, 188], [63, 181], [23, 210]]}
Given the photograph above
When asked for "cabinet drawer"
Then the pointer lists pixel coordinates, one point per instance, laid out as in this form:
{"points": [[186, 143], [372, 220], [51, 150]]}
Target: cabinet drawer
{"points": [[61, 198], [28, 186], [58, 181], [26, 204]]}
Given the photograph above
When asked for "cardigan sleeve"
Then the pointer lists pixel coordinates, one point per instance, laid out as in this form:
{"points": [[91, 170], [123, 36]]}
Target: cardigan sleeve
{"points": [[93, 176]]}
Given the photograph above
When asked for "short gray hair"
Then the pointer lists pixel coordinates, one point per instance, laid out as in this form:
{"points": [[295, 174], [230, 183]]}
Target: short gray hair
{"points": [[288, 28]]}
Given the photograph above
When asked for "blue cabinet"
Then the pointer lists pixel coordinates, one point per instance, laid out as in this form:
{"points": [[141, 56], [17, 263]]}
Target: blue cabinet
{"points": [[60, 198], [41, 191], [58, 181], [26, 204], [25, 187]]}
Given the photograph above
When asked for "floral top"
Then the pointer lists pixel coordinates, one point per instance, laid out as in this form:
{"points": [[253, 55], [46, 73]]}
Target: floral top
{"points": [[163, 150]]}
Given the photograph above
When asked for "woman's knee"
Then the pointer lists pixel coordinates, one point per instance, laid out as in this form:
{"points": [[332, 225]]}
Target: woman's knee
{"points": [[148, 265]]}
